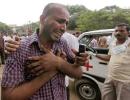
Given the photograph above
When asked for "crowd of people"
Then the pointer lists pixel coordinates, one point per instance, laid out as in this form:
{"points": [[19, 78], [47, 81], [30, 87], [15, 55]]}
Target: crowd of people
{"points": [[101, 42], [36, 66]]}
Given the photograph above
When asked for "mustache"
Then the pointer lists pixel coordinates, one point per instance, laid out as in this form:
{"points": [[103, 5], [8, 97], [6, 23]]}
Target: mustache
{"points": [[117, 35]]}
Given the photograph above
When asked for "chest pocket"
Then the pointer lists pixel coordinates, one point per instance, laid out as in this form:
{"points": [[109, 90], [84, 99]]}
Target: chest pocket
{"points": [[128, 50], [126, 55]]}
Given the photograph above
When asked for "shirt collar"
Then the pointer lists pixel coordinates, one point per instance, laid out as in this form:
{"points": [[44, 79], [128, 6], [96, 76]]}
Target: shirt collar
{"points": [[33, 39]]}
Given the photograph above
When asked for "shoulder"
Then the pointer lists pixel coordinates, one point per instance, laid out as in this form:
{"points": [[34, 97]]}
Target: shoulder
{"points": [[63, 40], [68, 35], [70, 38], [28, 41], [22, 51], [24, 44]]}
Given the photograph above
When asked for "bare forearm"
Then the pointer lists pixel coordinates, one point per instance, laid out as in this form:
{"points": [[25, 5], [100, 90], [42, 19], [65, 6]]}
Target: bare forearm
{"points": [[71, 70], [103, 57], [26, 90]]}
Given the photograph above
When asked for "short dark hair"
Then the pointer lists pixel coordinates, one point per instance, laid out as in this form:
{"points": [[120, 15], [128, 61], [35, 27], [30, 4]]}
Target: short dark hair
{"points": [[124, 24]]}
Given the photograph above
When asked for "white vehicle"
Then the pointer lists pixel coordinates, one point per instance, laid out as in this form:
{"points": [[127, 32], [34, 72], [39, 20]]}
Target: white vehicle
{"points": [[89, 87]]}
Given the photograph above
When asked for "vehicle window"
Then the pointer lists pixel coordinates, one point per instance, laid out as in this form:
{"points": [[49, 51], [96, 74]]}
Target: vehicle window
{"points": [[100, 41], [85, 40]]}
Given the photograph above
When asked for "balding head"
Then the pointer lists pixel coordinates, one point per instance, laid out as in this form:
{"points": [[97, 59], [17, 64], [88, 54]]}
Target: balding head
{"points": [[52, 8], [53, 21]]}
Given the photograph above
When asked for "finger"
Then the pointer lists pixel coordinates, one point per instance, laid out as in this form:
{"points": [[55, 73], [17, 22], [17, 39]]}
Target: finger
{"points": [[58, 52], [34, 58], [82, 59], [9, 50], [83, 54], [63, 55], [10, 41], [17, 38], [45, 49], [6, 52], [15, 46], [40, 72], [33, 64], [36, 69], [80, 63], [74, 51]]}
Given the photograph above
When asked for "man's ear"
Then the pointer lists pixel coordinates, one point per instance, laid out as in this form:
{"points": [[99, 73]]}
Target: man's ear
{"points": [[42, 19]]}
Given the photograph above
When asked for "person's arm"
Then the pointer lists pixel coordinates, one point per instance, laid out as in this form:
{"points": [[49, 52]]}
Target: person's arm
{"points": [[26, 90], [15, 87], [50, 61], [72, 70], [100, 56], [11, 45], [103, 57]]}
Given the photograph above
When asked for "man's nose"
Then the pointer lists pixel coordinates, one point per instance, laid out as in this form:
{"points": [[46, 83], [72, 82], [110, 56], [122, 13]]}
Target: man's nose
{"points": [[63, 27]]}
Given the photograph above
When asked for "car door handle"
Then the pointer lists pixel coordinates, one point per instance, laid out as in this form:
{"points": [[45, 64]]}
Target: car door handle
{"points": [[104, 63]]}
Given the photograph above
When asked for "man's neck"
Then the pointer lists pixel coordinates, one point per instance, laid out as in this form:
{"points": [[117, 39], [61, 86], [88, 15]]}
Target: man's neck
{"points": [[45, 42], [118, 42]]}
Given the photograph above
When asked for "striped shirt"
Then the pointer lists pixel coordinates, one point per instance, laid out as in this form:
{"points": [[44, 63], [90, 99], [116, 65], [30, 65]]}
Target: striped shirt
{"points": [[14, 71]]}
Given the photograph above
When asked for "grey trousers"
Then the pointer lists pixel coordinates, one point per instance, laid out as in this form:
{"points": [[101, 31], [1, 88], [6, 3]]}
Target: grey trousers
{"points": [[115, 90]]}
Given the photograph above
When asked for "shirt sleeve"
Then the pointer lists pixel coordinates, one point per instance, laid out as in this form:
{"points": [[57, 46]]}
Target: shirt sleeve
{"points": [[70, 55], [13, 73]]}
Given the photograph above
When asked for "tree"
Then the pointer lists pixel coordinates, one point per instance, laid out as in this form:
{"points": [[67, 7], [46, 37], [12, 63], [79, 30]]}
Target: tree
{"points": [[102, 19], [76, 9], [5, 28]]}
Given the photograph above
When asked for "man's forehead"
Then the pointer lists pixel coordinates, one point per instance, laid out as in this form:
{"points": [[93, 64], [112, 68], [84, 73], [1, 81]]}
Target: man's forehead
{"points": [[54, 9], [121, 27], [61, 13]]}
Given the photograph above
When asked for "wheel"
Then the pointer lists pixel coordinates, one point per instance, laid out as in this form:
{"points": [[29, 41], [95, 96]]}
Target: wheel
{"points": [[87, 89]]}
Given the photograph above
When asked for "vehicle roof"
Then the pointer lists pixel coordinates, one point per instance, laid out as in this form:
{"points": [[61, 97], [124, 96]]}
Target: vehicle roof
{"points": [[97, 33]]}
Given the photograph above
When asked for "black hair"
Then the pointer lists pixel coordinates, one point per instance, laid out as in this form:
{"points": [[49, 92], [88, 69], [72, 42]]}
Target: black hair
{"points": [[124, 24]]}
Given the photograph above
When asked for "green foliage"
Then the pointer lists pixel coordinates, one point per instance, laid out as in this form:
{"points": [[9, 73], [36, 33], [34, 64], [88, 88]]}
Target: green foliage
{"points": [[5, 28], [104, 18], [76, 9], [83, 19]]}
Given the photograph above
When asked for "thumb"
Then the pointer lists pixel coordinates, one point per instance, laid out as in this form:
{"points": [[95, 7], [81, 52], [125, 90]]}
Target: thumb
{"points": [[74, 51], [58, 52], [17, 38]]}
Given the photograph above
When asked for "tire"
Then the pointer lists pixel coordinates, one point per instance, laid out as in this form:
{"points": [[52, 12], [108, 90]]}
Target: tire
{"points": [[87, 89]]}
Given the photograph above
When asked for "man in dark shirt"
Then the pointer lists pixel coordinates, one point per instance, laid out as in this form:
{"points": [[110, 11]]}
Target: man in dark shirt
{"points": [[44, 78]]}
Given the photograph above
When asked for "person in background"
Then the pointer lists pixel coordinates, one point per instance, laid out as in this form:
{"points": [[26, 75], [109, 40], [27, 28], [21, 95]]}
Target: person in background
{"points": [[117, 83], [73, 43], [36, 71], [71, 40], [2, 55], [94, 42], [76, 34], [102, 43]]}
